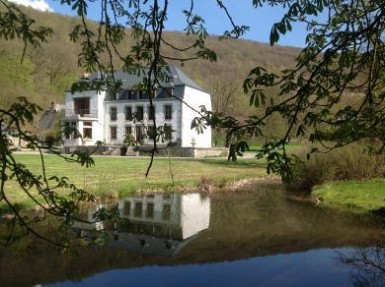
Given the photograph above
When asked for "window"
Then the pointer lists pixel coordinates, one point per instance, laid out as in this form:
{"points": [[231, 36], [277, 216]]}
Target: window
{"points": [[127, 208], [129, 138], [138, 209], [150, 210], [128, 113], [128, 95], [167, 132], [125, 95], [113, 133], [82, 106], [167, 112], [151, 113], [166, 212], [143, 95], [133, 95], [151, 132], [113, 113], [87, 130], [128, 130], [112, 96], [169, 92], [139, 113]]}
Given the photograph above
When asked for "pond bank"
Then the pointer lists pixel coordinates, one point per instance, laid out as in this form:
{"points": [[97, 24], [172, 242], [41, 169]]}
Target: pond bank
{"points": [[114, 177], [366, 196]]}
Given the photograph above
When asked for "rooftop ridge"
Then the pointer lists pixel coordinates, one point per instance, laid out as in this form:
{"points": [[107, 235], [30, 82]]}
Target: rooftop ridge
{"points": [[179, 78]]}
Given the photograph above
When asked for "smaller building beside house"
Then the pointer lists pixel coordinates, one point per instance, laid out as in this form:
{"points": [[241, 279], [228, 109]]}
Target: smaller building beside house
{"points": [[110, 117]]}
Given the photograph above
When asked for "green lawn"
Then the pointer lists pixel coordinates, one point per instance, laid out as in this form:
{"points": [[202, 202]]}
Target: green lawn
{"points": [[116, 176], [367, 196]]}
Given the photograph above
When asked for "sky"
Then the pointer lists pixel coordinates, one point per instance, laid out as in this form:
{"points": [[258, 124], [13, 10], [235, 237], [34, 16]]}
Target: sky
{"points": [[259, 20]]}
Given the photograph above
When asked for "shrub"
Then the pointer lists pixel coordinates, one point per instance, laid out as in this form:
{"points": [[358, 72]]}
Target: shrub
{"points": [[353, 162], [314, 171]]}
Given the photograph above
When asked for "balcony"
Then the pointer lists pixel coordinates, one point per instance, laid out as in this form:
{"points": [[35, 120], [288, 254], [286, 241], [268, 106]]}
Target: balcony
{"points": [[81, 113]]}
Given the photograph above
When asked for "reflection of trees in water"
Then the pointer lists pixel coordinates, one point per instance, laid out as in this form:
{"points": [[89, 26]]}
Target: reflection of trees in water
{"points": [[224, 207], [368, 265]]}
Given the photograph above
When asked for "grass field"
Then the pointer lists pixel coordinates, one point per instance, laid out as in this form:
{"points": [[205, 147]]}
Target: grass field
{"points": [[367, 196], [116, 176]]}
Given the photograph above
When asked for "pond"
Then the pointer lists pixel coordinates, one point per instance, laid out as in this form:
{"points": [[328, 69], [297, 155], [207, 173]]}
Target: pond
{"points": [[253, 237]]}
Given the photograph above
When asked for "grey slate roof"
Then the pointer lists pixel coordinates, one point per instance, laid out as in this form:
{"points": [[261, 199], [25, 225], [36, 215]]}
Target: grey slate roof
{"points": [[181, 78], [176, 76]]}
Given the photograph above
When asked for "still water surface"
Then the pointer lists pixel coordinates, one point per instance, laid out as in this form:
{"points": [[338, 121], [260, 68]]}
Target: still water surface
{"points": [[254, 237], [311, 268]]}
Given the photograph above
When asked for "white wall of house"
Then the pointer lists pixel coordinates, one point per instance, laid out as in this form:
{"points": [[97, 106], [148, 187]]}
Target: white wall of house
{"points": [[93, 120], [190, 212], [176, 117], [190, 137], [97, 131], [99, 118], [98, 127], [121, 122], [195, 214], [136, 208], [96, 101]]}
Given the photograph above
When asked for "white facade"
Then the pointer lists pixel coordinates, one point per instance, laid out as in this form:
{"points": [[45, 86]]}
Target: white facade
{"points": [[179, 216], [99, 118], [85, 119], [157, 224], [190, 137]]}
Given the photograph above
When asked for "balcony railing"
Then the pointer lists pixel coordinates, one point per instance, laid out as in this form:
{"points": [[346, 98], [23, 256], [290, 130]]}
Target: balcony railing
{"points": [[81, 113]]}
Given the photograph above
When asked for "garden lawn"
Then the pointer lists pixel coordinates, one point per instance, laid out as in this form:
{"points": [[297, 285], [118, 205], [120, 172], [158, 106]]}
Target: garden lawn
{"points": [[367, 196], [117, 176]]}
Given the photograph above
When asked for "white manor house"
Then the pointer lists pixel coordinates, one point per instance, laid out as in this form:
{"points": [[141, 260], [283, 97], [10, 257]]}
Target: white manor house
{"points": [[106, 117]]}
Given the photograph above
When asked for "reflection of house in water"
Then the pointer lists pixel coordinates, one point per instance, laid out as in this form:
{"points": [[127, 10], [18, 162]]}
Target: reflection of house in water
{"points": [[162, 224], [88, 221]]}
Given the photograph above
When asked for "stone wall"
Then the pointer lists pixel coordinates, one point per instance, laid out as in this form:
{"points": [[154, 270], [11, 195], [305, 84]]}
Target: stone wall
{"points": [[99, 150], [146, 150], [186, 152]]}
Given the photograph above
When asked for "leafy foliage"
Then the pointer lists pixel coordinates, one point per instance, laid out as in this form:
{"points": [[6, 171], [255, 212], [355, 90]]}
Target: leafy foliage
{"points": [[236, 150], [39, 187], [15, 24], [353, 162], [342, 55]]}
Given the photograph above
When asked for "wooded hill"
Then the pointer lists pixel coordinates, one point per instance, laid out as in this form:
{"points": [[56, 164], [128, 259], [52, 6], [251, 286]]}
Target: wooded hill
{"points": [[45, 73]]}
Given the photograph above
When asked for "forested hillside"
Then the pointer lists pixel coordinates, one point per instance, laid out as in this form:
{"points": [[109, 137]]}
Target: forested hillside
{"points": [[45, 73]]}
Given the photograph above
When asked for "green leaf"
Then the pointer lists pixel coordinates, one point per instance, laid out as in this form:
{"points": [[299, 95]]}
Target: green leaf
{"points": [[274, 35]]}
